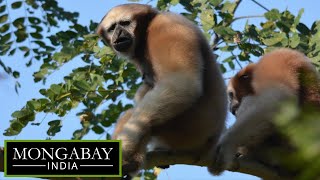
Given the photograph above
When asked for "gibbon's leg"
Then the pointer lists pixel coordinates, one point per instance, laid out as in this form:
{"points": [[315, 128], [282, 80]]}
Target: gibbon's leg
{"points": [[253, 125], [170, 96]]}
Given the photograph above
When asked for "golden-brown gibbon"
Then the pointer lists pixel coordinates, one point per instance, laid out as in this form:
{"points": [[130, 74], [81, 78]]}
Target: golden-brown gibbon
{"points": [[256, 94], [182, 103]]}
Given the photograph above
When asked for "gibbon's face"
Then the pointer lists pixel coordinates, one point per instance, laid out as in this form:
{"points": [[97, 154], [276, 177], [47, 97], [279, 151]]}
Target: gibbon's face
{"points": [[119, 28], [240, 86]]}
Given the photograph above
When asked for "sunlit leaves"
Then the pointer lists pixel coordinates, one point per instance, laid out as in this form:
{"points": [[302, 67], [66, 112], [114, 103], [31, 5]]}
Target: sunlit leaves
{"points": [[228, 7], [215, 2], [294, 40], [4, 28], [207, 19], [21, 35], [276, 38], [273, 15], [21, 119], [4, 18], [297, 19]]}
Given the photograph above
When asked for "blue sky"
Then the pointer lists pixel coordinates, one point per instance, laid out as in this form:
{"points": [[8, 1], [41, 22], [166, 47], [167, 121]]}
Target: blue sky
{"points": [[95, 10]]}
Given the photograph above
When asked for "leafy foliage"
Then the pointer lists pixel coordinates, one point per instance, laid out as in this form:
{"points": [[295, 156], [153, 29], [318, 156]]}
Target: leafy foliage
{"points": [[110, 81]]}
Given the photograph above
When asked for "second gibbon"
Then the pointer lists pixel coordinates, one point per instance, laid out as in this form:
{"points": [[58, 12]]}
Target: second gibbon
{"points": [[182, 103], [256, 93]]}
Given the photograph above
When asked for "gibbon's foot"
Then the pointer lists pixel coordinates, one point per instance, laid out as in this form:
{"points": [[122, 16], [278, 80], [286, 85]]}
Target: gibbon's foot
{"points": [[131, 167], [225, 159]]}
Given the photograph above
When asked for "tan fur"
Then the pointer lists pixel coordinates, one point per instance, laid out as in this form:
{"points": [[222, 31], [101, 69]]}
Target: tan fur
{"points": [[184, 103], [280, 75]]}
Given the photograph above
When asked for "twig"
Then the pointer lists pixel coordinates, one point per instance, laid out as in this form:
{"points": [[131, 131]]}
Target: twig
{"points": [[247, 17], [237, 60], [262, 6], [217, 38]]}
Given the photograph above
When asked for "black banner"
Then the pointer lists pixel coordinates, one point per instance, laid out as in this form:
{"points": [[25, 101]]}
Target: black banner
{"points": [[62, 158]]}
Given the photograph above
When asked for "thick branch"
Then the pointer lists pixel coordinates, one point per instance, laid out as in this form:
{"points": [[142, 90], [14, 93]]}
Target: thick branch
{"points": [[162, 158]]}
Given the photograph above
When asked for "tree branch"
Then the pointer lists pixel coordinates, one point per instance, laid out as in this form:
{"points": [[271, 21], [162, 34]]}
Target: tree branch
{"points": [[247, 17], [162, 158]]}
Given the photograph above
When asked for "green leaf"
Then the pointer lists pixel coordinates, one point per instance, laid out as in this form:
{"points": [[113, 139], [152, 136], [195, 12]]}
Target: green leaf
{"points": [[16, 74], [278, 37], [37, 28], [297, 19], [98, 129], [174, 2], [4, 39], [207, 19], [273, 15], [16, 5], [229, 60], [56, 89], [215, 2], [34, 20], [3, 8], [228, 7], [294, 40], [22, 113], [15, 128], [24, 48], [82, 85], [21, 35], [4, 18], [55, 127], [224, 31], [4, 28], [303, 29], [34, 105], [36, 35], [19, 23], [228, 48]]}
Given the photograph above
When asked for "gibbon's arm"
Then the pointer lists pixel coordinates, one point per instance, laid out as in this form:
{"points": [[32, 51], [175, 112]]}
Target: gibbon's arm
{"points": [[123, 119], [141, 92], [253, 125]]}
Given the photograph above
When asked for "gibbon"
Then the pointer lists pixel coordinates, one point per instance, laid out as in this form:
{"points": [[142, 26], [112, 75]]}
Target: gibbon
{"points": [[256, 93], [182, 105]]}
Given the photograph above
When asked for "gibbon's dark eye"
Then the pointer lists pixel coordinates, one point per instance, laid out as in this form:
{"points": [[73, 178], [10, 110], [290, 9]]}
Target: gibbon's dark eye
{"points": [[230, 94], [245, 76], [124, 23], [111, 28]]}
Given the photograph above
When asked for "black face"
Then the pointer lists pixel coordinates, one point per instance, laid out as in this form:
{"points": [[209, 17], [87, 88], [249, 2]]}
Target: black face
{"points": [[121, 39], [233, 103]]}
